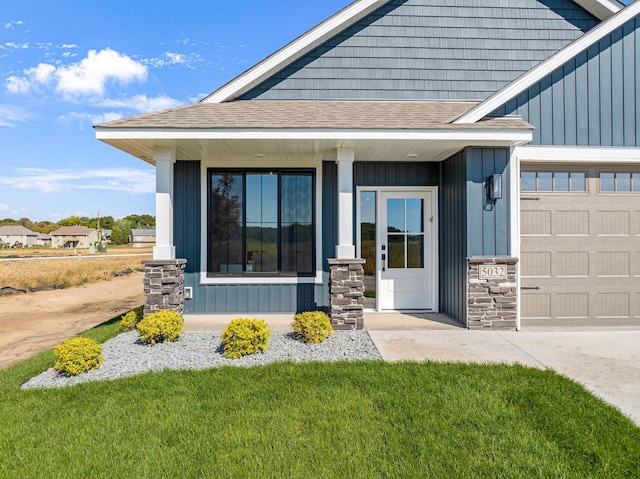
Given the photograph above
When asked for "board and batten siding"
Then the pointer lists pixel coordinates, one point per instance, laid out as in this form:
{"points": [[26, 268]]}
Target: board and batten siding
{"points": [[412, 50], [453, 237], [592, 100], [223, 298], [471, 225]]}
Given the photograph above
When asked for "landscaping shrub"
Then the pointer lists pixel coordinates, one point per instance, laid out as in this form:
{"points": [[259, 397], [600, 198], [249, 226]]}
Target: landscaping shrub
{"points": [[160, 326], [77, 355], [245, 336], [312, 326], [129, 321]]}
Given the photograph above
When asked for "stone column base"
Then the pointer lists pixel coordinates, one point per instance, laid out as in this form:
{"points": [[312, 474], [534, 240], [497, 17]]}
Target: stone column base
{"points": [[346, 293], [492, 295], [164, 285]]}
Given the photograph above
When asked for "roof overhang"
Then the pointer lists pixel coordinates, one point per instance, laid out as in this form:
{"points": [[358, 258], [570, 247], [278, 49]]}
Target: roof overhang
{"points": [[307, 145]]}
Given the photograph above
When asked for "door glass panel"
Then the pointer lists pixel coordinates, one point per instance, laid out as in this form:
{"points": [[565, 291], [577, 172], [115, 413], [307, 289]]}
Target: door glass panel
{"points": [[262, 223], [623, 182], [578, 182], [636, 182], [415, 251], [395, 258], [545, 181], [607, 182], [395, 216], [226, 224], [561, 180], [368, 245], [528, 181], [415, 216]]}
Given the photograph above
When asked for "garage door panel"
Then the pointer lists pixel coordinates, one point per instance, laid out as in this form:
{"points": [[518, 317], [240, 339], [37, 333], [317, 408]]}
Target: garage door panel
{"points": [[570, 223], [580, 255]]}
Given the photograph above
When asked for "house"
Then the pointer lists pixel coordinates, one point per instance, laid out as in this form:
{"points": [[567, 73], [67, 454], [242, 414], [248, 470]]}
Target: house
{"points": [[17, 236], [74, 237], [475, 158], [42, 240], [105, 235], [142, 238]]}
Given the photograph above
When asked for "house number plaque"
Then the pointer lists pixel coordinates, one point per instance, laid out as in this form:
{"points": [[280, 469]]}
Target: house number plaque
{"points": [[492, 271]]}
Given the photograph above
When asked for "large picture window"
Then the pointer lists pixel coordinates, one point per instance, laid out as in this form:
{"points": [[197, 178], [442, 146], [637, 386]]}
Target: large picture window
{"points": [[261, 222]]}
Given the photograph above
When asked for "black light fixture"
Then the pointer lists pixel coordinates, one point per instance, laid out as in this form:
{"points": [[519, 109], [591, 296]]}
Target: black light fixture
{"points": [[495, 187]]}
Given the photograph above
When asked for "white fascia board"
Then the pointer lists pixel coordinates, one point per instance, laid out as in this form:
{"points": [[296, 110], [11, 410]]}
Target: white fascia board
{"points": [[294, 50], [554, 154], [602, 9], [516, 136], [549, 66]]}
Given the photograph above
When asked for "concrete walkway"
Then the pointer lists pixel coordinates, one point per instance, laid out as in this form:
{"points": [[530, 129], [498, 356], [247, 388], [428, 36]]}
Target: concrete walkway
{"points": [[607, 363]]}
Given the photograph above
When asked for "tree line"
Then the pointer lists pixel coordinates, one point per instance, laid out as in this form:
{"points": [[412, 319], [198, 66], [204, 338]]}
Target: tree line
{"points": [[120, 228]]}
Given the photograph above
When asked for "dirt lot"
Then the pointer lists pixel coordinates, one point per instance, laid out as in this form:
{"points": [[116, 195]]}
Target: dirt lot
{"points": [[34, 322]]}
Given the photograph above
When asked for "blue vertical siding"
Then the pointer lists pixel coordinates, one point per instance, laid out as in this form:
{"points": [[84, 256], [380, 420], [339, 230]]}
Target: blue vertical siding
{"points": [[223, 298], [453, 237], [412, 49], [487, 220], [372, 173], [592, 100]]}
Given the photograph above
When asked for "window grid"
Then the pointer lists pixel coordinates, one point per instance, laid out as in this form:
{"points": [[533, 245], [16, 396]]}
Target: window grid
{"points": [[619, 182], [542, 181]]}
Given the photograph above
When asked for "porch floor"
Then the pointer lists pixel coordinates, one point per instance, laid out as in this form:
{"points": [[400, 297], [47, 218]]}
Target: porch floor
{"points": [[372, 321]]}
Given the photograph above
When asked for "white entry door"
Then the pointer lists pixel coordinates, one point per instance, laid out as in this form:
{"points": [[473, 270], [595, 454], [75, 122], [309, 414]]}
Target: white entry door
{"points": [[406, 250]]}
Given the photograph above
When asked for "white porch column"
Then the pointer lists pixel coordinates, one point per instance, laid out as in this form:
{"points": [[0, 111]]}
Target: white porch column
{"points": [[345, 249], [165, 159]]}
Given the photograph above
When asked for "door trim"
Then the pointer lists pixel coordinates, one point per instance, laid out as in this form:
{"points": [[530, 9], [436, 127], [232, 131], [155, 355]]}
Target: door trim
{"points": [[434, 277]]}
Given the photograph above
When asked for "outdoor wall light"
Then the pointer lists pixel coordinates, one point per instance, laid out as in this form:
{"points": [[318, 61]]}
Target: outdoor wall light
{"points": [[495, 187]]}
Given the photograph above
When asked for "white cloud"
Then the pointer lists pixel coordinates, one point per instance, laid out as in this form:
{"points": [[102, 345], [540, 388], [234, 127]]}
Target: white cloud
{"points": [[16, 46], [91, 74], [88, 77], [171, 58], [13, 23], [129, 180], [4, 207], [10, 115], [141, 103], [95, 119]]}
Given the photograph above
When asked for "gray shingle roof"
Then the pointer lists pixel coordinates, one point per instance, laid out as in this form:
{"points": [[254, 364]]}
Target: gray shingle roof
{"points": [[18, 230], [72, 231], [348, 115]]}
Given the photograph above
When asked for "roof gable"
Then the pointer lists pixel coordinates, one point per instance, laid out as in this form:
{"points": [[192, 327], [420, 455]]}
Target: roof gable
{"points": [[418, 35], [554, 63]]}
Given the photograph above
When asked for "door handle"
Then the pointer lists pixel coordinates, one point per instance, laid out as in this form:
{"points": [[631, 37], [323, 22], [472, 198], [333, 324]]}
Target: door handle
{"points": [[384, 258]]}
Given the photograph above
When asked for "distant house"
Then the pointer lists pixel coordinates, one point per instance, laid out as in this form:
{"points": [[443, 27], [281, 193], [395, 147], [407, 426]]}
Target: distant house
{"points": [[42, 240], [17, 236], [73, 237], [141, 238], [106, 235]]}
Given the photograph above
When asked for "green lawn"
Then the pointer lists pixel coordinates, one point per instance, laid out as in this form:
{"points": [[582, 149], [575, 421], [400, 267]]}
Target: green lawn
{"points": [[352, 420]]}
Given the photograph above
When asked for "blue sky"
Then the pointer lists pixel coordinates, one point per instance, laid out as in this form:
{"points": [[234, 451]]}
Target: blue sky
{"points": [[65, 66]]}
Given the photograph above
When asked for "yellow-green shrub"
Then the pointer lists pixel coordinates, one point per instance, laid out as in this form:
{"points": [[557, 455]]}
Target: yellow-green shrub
{"points": [[312, 326], [160, 326], [77, 355], [244, 336], [129, 321]]}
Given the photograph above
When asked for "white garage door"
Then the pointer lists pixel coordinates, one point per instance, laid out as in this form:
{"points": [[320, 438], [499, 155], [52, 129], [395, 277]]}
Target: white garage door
{"points": [[580, 245]]}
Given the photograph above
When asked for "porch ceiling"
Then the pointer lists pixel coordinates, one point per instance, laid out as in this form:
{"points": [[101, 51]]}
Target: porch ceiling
{"points": [[314, 149]]}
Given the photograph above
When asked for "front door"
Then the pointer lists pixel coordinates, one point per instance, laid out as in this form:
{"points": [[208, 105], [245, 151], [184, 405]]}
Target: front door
{"points": [[406, 250]]}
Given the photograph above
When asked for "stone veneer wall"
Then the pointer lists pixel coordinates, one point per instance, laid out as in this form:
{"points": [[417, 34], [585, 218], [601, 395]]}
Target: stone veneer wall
{"points": [[346, 293], [164, 285], [492, 303]]}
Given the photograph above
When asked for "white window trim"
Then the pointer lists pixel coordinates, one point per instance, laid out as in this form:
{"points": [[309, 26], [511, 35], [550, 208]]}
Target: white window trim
{"points": [[569, 154], [204, 166]]}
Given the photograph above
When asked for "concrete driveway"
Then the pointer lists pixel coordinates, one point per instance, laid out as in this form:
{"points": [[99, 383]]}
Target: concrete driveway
{"points": [[607, 363]]}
